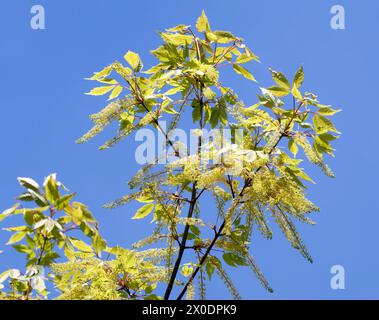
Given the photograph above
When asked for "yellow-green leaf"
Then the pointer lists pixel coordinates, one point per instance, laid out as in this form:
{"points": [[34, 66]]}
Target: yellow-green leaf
{"points": [[299, 77], [134, 60], [244, 58], [16, 237], [187, 270], [101, 74], [9, 211], [292, 146], [202, 23], [241, 70], [280, 80], [296, 93], [177, 39], [99, 91], [115, 93], [81, 245], [323, 125], [327, 111], [278, 91], [51, 188], [144, 211], [98, 243]]}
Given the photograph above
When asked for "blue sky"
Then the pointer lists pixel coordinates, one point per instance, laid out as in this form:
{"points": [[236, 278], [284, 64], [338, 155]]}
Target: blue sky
{"points": [[43, 111]]}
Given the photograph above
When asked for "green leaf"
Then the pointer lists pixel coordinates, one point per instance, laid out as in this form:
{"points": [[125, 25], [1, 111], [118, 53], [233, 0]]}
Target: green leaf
{"points": [[202, 23], [278, 91], [327, 111], [28, 183], [233, 259], [22, 248], [224, 36], [228, 258], [49, 258], [299, 77], [99, 91], [214, 118], [196, 115], [210, 268], [241, 70], [26, 196], [195, 230], [134, 60], [144, 211], [16, 237], [327, 137], [280, 80], [64, 201]]}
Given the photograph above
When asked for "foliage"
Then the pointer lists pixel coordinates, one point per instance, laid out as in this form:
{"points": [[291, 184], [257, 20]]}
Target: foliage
{"points": [[189, 243]]}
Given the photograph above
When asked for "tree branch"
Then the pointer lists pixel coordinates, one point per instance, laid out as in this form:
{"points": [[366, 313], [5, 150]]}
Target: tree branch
{"points": [[236, 201]]}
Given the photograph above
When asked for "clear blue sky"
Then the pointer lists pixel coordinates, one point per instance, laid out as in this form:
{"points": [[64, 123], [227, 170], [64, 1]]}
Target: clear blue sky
{"points": [[43, 111]]}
